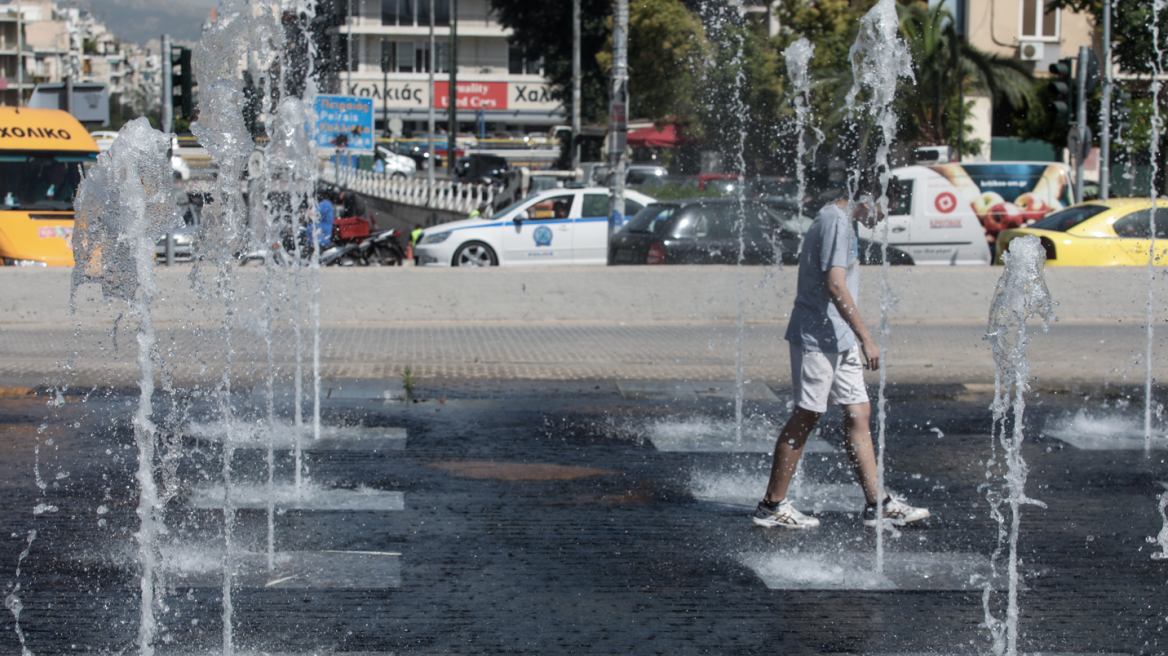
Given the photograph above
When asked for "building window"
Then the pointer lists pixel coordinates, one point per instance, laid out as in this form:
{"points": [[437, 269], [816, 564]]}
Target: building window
{"points": [[1039, 21], [412, 13], [405, 57], [421, 56], [442, 12], [397, 12], [351, 43], [519, 64], [388, 56]]}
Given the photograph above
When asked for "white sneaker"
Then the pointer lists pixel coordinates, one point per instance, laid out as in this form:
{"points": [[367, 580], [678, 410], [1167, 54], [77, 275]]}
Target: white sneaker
{"points": [[783, 515], [896, 511]]}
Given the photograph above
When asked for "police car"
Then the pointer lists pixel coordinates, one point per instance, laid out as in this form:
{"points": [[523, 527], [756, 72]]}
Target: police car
{"points": [[553, 227]]}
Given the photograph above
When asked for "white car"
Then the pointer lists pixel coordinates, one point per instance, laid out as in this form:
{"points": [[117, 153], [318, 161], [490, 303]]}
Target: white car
{"points": [[104, 139], [397, 166], [553, 227]]}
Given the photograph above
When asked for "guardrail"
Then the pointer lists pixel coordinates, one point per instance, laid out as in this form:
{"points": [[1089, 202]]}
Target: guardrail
{"points": [[457, 197]]}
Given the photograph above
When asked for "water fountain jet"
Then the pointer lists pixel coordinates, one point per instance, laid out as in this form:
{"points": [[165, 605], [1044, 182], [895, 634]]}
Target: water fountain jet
{"points": [[124, 206], [879, 58], [1021, 295]]}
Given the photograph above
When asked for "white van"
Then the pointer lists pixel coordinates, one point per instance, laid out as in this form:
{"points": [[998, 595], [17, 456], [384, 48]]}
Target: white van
{"points": [[930, 224]]}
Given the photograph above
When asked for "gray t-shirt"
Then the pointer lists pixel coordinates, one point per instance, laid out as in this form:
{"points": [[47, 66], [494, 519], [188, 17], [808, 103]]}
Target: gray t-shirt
{"points": [[815, 323]]}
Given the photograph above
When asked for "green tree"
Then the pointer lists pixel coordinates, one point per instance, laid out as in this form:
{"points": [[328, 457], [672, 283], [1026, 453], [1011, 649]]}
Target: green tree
{"points": [[947, 66], [741, 93], [1131, 31], [666, 48], [544, 29]]}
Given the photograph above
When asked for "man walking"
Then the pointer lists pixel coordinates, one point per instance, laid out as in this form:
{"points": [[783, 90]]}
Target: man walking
{"points": [[830, 347]]}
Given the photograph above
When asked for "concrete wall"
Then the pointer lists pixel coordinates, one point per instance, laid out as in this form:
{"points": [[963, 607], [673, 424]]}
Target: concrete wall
{"points": [[611, 294]]}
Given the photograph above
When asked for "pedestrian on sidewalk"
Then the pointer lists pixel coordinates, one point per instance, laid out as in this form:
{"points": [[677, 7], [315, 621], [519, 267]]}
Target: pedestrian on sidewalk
{"points": [[830, 348], [415, 235]]}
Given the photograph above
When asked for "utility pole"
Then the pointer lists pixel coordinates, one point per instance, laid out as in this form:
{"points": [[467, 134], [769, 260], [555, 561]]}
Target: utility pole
{"points": [[1105, 118], [349, 49], [618, 122], [575, 148], [1084, 142], [433, 155], [452, 93], [19, 56], [167, 86], [386, 63]]}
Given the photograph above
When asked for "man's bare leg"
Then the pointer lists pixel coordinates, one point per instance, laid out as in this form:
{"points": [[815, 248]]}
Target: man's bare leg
{"points": [[788, 449], [859, 447]]}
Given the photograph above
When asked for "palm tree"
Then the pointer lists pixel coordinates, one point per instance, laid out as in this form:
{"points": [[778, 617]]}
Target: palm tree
{"points": [[947, 67]]}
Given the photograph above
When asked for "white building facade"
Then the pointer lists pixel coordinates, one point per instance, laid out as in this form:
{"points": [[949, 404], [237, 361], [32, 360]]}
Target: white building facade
{"points": [[498, 89], [59, 42]]}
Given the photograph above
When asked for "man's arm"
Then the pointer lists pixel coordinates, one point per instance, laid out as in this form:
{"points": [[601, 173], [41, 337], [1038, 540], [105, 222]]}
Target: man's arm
{"points": [[846, 305]]}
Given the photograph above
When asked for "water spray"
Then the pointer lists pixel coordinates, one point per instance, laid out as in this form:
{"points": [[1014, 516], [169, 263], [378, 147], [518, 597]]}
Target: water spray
{"points": [[1021, 294]]}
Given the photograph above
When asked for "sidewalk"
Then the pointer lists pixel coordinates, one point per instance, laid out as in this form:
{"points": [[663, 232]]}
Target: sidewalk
{"points": [[1070, 353]]}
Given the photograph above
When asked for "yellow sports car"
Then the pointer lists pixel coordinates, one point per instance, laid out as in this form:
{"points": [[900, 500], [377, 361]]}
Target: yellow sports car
{"points": [[1116, 232]]}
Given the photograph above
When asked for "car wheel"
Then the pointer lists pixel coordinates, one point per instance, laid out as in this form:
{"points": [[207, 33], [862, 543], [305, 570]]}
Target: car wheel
{"points": [[475, 253], [398, 175]]}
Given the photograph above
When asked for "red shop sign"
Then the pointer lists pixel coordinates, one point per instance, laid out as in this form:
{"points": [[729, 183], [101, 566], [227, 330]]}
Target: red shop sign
{"points": [[472, 95]]}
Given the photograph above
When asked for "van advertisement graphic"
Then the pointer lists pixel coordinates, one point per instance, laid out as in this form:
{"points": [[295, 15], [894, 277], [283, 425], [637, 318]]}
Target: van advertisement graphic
{"points": [[1006, 195]]}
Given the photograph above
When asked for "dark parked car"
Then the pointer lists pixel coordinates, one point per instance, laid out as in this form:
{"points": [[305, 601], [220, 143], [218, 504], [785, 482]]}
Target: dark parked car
{"points": [[707, 231], [481, 169]]}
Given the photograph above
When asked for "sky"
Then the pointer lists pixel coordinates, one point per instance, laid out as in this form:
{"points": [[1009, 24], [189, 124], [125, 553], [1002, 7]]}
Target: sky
{"points": [[142, 20]]}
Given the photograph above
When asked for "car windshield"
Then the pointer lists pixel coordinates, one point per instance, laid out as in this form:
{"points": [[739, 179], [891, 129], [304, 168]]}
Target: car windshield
{"points": [[723, 222], [724, 185], [1068, 218], [507, 210], [1138, 224], [642, 177], [781, 188], [651, 219], [37, 181]]}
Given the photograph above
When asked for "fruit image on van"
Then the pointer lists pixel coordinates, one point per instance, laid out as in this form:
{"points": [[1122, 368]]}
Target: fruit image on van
{"points": [[42, 155], [928, 223], [1010, 194], [947, 213]]}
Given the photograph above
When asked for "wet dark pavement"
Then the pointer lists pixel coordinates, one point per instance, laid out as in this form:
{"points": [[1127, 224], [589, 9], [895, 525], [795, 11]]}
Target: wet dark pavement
{"points": [[539, 519]]}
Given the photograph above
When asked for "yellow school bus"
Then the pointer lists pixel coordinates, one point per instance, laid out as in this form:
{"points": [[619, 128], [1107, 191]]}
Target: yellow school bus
{"points": [[42, 155]]}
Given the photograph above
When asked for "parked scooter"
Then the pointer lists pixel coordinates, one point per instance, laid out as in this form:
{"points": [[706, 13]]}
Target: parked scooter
{"points": [[285, 252], [381, 248]]}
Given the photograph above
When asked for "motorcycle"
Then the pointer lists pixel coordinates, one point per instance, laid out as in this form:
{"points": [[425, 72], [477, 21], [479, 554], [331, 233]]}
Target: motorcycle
{"points": [[284, 252], [381, 248]]}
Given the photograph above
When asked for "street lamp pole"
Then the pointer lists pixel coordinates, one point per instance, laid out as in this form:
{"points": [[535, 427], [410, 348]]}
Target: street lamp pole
{"points": [[433, 156], [167, 115], [618, 113], [575, 149], [1105, 118], [19, 55], [349, 50], [452, 92]]}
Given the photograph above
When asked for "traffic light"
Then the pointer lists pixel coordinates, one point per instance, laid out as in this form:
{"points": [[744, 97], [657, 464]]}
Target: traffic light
{"points": [[1064, 91], [183, 83]]}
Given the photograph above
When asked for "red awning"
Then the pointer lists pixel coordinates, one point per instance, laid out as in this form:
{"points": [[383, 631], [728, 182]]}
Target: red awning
{"points": [[665, 137]]}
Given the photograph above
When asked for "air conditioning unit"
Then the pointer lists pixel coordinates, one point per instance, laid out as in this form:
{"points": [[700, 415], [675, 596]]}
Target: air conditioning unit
{"points": [[1031, 50]]}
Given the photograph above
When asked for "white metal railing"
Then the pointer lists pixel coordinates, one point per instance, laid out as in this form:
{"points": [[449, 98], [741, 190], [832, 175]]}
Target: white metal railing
{"points": [[459, 197]]}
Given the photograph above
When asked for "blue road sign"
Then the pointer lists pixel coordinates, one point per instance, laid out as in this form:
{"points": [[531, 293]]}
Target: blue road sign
{"points": [[344, 122]]}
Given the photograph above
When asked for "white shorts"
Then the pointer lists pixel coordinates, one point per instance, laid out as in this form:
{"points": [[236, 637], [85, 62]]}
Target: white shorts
{"points": [[823, 379]]}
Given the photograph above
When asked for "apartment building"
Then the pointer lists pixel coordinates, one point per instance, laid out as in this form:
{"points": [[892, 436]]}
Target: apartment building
{"points": [[499, 89], [9, 59], [69, 42], [1028, 30]]}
